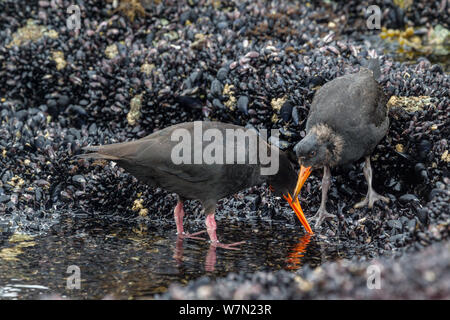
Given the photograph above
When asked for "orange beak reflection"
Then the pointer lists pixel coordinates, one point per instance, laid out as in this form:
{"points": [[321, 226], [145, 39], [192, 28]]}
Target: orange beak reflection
{"points": [[294, 203], [294, 258]]}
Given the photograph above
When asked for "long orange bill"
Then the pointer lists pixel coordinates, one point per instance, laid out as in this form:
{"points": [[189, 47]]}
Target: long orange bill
{"points": [[295, 205], [302, 176]]}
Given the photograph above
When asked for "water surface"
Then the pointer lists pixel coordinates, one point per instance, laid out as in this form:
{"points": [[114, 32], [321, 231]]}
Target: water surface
{"points": [[132, 260]]}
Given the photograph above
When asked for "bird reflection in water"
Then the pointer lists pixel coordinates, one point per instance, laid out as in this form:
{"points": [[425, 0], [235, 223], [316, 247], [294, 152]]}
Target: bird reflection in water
{"points": [[179, 250], [211, 256], [295, 256], [293, 260], [211, 259]]}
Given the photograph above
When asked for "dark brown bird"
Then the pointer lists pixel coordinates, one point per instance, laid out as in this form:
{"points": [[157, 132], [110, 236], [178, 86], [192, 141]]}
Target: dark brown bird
{"points": [[347, 119], [155, 160]]}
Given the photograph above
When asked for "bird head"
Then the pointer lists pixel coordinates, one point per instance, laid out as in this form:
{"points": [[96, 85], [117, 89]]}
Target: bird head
{"points": [[322, 146], [310, 153]]}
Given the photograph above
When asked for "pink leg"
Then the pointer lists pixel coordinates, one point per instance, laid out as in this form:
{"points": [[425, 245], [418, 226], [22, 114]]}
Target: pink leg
{"points": [[178, 213], [211, 227]]}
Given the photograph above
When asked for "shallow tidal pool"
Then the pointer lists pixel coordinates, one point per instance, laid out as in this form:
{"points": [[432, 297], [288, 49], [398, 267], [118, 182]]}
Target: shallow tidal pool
{"points": [[136, 261]]}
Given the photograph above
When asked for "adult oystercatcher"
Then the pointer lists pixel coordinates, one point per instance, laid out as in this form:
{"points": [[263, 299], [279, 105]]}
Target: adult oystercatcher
{"points": [[199, 160]]}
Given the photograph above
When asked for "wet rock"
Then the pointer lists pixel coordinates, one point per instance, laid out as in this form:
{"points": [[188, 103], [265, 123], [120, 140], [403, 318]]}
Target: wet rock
{"points": [[218, 104], [222, 74], [424, 149], [186, 16], [411, 225], [421, 172], [189, 102], [38, 195], [216, 88], [77, 110], [63, 101], [92, 129], [253, 200], [436, 68], [406, 198], [242, 104], [286, 111], [422, 215], [79, 180], [394, 224], [52, 106], [288, 133], [315, 81]]}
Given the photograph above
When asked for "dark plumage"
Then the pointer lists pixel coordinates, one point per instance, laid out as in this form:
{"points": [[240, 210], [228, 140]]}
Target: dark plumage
{"points": [[150, 159], [347, 119]]}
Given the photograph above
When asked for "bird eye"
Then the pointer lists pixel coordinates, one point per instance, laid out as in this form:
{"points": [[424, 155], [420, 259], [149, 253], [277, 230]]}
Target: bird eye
{"points": [[312, 153]]}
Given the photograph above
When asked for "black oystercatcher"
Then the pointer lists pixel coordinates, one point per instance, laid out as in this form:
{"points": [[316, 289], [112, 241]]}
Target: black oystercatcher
{"points": [[193, 160], [347, 119]]}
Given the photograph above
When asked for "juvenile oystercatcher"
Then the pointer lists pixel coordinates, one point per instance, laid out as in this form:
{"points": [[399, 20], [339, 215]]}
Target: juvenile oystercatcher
{"points": [[347, 119]]}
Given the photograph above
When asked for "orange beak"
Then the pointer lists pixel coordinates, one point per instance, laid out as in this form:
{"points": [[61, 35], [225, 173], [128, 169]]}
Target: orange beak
{"points": [[294, 203], [303, 175]]}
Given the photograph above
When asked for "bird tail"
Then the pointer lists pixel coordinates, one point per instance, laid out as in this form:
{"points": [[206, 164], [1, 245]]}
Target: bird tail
{"points": [[374, 66], [100, 153]]}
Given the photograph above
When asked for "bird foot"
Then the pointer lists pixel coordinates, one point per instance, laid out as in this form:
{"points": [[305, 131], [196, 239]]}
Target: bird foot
{"points": [[321, 215], [230, 246], [185, 235], [370, 199]]}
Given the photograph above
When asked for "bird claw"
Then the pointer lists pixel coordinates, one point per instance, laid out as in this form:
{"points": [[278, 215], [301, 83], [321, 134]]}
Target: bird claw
{"points": [[230, 246], [185, 235], [321, 215], [370, 199]]}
